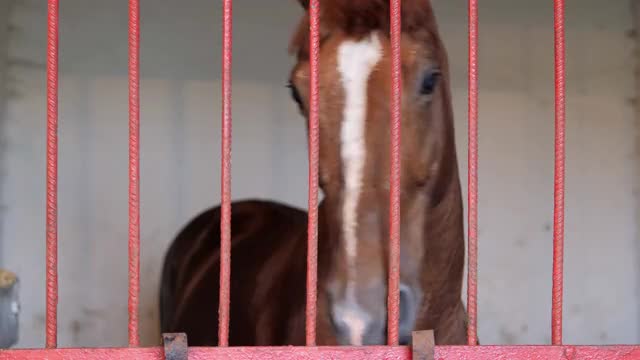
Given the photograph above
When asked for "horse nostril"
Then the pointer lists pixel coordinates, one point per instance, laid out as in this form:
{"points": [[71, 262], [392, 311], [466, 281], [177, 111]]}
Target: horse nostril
{"points": [[405, 302], [405, 340], [339, 326], [407, 313]]}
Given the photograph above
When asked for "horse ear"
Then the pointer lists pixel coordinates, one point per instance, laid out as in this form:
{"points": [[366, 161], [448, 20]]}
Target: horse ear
{"points": [[304, 3]]}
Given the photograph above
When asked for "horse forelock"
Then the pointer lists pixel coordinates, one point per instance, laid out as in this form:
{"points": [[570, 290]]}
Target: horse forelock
{"points": [[360, 17]]}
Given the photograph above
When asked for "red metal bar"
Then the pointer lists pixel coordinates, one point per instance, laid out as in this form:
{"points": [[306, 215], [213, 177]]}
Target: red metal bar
{"points": [[472, 222], [314, 155], [394, 194], [134, 170], [558, 194], [225, 221], [347, 353], [52, 175]]}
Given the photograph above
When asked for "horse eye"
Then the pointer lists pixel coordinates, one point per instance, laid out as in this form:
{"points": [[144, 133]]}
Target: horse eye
{"points": [[429, 82], [294, 93]]}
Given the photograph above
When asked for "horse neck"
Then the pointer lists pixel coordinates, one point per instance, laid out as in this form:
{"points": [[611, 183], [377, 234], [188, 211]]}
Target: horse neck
{"points": [[446, 199], [444, 225], [444, 233]]}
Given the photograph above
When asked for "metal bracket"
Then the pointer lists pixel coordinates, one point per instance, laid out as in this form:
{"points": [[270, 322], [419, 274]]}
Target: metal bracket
{"points": [[175, 346], [423, 345]]}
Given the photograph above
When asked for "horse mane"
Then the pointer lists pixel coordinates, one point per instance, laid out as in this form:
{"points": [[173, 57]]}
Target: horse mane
{"points": [[359, 17]]}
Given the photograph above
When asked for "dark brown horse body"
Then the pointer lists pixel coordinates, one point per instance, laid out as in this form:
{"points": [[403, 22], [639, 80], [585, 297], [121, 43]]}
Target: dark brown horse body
{"points": [[269, 239], [267, 281]]}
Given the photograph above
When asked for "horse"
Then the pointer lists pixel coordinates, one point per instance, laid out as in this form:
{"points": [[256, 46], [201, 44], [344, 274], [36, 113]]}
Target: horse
{"points": [[269, 238]]}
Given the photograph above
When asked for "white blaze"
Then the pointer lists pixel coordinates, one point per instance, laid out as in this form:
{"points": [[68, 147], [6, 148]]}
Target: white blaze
{"points": [[356, 61]]}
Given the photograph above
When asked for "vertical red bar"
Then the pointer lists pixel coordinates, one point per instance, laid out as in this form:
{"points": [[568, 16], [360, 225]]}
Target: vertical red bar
{"points": [[558, 210], [52, 175], [393, 301], [314, 154], [225, 221], [472, 222], [134, 170]]}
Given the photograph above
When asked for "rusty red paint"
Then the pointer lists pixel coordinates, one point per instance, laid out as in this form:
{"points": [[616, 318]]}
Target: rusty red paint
{"points": [[225, 171], [558, 194], [314, 155], [393, 301], [52, 176], [134, 170], [531, 352], [625, 352], [472, 211]]}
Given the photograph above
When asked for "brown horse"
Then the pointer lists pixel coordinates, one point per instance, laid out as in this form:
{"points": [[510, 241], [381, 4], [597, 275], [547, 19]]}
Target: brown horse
{"points": [[269, 239]]}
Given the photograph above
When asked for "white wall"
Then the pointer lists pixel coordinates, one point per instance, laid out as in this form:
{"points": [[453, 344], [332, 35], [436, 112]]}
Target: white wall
{"points": [[180, 152], [4, 49]]}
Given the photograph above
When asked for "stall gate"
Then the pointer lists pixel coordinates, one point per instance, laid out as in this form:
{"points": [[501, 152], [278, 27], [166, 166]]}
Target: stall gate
{"points": [[175, 345]]}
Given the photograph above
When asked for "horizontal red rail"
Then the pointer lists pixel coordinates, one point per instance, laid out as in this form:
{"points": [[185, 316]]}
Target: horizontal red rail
{"points": [[626, 352]]}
